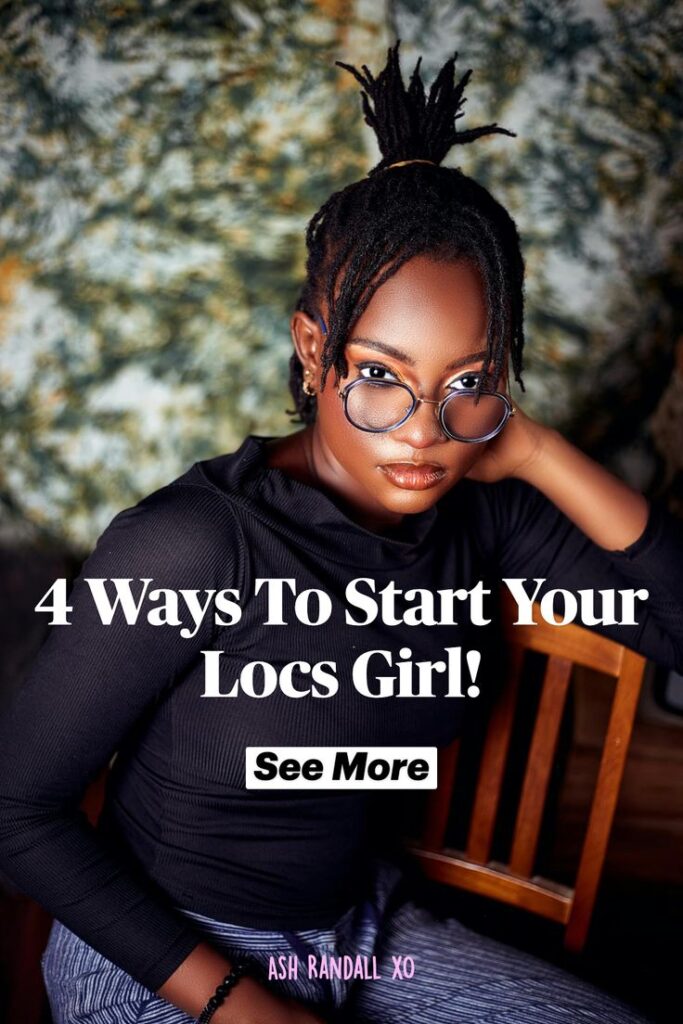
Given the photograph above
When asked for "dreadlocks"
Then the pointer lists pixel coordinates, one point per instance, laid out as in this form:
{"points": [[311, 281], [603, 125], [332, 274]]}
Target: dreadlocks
{"points": [[364, 233]]}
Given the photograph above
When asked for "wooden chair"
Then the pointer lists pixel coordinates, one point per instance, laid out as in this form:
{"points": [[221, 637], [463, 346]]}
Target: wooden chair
{"points": [[514, 882]]}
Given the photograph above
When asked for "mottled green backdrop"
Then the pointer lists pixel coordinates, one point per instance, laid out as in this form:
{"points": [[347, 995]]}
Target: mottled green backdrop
{"points": [[158, 164]]}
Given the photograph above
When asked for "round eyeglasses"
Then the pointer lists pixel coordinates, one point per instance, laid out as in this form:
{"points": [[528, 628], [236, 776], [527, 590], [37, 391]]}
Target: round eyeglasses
{"points": [[465, 415]]}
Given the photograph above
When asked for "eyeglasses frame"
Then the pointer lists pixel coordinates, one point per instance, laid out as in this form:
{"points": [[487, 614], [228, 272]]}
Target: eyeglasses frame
{"points": [[509, 408]]}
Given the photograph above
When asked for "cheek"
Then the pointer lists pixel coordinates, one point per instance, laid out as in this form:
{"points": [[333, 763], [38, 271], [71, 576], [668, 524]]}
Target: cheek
{"points": [[462, 457], [352, 447], [330, 418]]}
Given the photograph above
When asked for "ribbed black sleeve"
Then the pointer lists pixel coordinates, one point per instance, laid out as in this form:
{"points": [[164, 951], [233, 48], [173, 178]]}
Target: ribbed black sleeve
{"points": [[89, 686]]}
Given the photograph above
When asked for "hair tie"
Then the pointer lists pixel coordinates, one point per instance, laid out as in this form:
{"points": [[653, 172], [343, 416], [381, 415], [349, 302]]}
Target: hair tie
{"points": [[417, 160]]}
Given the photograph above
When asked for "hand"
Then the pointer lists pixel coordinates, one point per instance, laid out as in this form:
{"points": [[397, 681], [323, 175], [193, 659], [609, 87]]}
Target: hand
{"points": [[253, 1003], [513, 452]]}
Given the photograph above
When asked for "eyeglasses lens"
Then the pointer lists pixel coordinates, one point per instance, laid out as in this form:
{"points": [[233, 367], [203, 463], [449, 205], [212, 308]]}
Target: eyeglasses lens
{"points": [[470, 417], [381, 406], [374, 406]]}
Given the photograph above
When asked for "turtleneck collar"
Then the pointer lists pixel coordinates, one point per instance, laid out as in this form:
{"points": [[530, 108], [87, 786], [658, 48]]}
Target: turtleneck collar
{"points": [[310, 516]]}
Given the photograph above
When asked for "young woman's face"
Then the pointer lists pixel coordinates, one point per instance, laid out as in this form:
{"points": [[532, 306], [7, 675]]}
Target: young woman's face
{"points": [[425, 326]]}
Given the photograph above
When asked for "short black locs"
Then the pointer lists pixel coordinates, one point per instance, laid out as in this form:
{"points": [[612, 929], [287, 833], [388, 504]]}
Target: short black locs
{"points": [[364, 233]]}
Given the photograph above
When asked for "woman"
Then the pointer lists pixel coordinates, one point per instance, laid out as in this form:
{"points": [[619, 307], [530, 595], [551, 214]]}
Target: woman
{"points": [[413, 469]]}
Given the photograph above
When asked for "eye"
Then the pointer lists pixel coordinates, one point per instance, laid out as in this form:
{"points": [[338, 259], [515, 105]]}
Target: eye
{"points": [[375, 371], [467, 381]]}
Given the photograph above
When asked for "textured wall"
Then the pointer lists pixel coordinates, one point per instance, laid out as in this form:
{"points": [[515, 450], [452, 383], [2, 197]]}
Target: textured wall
{"points": [[158, 164]]}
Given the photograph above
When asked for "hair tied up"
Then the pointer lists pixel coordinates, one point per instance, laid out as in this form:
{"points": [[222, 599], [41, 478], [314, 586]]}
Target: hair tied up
{"points": [[408, 124], [363, 234]]}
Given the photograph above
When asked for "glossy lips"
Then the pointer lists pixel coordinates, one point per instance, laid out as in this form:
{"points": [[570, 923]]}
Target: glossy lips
{"points": [[413, 477]]}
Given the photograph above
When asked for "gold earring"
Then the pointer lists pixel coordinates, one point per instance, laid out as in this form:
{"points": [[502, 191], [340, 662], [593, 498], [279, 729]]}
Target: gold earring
{"points": [[307, 386]]}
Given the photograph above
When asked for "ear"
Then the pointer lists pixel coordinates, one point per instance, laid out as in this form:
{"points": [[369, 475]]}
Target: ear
{"points": [[308, 340]]}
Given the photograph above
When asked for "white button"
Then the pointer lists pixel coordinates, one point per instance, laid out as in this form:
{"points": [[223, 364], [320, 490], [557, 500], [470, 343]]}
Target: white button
{"points": [[341, 767]]}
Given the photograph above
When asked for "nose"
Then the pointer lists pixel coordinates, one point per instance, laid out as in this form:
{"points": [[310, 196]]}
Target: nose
{"points": [[423, 429]]}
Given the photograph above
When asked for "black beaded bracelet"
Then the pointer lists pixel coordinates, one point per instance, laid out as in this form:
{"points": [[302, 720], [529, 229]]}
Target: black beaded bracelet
{"points": [[222, 992]]}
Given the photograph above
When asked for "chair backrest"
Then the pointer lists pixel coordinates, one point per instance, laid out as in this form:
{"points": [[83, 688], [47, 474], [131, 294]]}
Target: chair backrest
{"points": [[514, 882]]}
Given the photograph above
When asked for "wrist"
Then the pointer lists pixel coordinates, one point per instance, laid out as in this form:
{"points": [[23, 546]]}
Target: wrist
{"points": [[215, 1009], [244, 1004], [195, 980]]}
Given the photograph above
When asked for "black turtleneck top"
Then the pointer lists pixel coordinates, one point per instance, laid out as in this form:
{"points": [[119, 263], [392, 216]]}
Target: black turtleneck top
{"points": [[179, 828]]}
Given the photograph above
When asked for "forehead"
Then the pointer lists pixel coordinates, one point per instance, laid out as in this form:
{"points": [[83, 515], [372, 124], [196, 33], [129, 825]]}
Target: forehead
{"points": [[428, 309]]}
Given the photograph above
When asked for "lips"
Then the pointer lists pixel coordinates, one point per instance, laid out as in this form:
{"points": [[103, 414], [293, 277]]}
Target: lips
{"points": [[412, 477]]}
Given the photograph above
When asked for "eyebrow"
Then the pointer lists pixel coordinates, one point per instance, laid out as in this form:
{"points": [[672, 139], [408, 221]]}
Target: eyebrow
{"points": [[397, 353]]}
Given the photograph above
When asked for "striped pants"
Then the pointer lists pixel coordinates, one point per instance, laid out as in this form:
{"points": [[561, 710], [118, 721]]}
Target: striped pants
{"points": [[409, 966]]}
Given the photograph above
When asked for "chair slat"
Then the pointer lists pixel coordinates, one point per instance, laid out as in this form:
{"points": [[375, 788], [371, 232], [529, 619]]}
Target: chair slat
{"points": [[615, 751], [539, 765], [549, 900], [492, 768]]}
